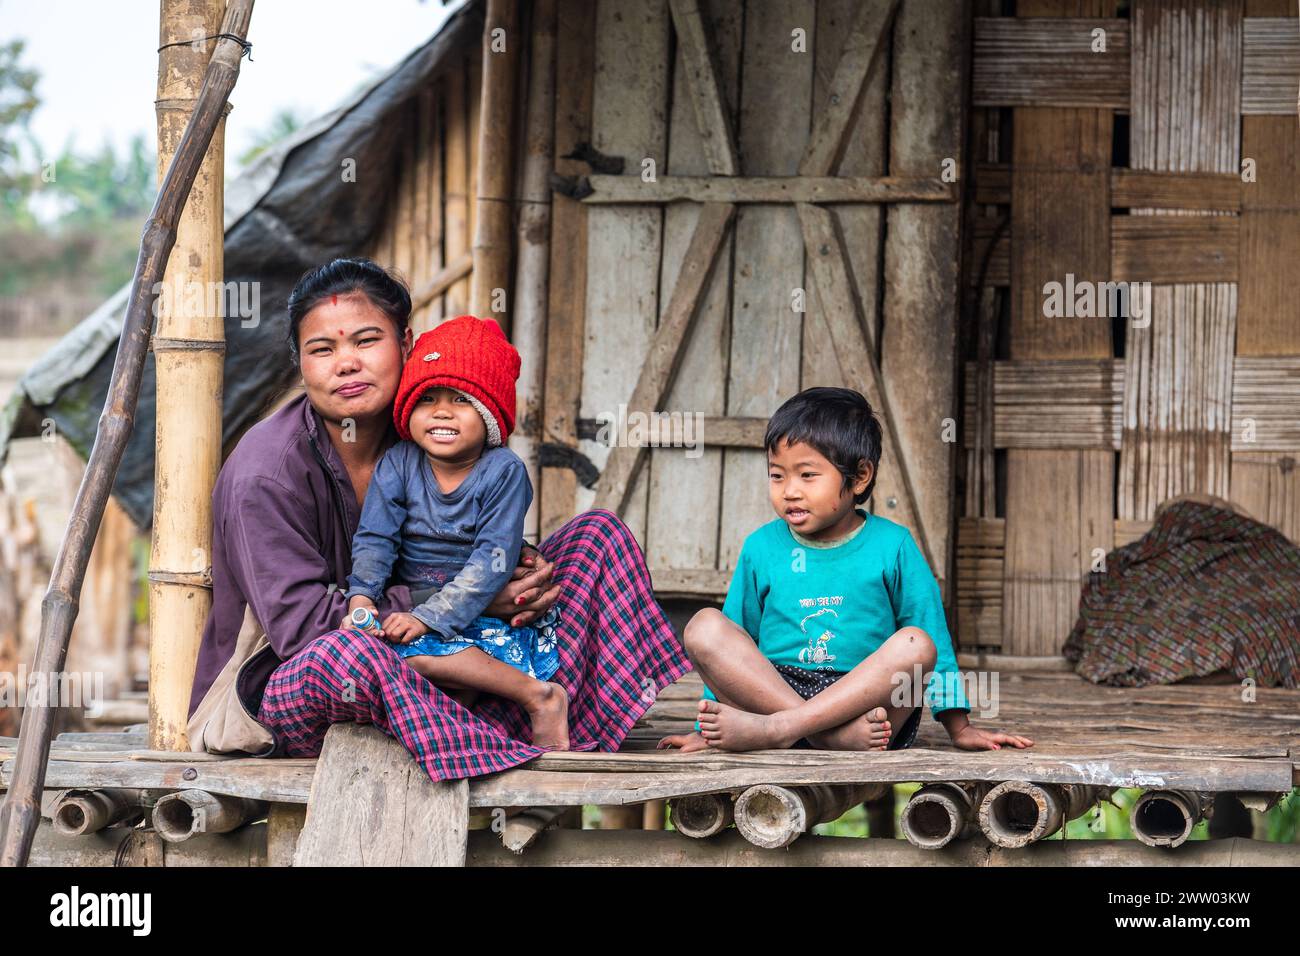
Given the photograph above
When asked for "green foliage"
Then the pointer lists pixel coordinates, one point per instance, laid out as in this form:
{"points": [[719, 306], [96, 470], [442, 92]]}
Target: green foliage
{"points": [[18, 100]]}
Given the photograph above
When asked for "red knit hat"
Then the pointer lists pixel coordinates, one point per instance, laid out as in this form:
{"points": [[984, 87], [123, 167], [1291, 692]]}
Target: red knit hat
{"points": [[472, 356]]}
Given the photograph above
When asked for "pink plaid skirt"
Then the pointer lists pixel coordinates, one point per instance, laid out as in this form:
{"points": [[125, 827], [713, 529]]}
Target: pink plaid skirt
{"points": [[617, 651]]}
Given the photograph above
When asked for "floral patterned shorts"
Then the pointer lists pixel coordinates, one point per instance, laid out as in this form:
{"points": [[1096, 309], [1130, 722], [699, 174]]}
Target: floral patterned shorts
{"points": [[531, 648]]}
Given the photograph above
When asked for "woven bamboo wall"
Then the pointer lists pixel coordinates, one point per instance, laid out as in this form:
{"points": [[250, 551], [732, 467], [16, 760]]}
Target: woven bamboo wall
{"points": [[1167, 157]]}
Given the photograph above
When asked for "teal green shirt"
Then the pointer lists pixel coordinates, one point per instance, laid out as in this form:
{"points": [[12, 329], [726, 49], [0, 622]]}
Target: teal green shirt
{"points": [[830, 608]]}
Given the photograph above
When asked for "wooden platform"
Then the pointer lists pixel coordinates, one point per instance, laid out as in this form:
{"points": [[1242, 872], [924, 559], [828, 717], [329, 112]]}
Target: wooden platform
{"points": [[1195, 737]]}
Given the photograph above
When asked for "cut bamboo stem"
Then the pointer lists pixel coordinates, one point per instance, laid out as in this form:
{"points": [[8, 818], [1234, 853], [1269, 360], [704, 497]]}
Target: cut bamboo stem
{"points": [[771, 817], [939, 813], [522, 829], [21, 812], [179, 816], [79, 812], [1016, 813], [1166, 817], [490, 280], [189, 350], [701, 815]]}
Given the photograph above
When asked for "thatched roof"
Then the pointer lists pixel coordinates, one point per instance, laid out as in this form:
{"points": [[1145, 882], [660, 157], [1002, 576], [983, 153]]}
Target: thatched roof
{"points": [[290, 211]]}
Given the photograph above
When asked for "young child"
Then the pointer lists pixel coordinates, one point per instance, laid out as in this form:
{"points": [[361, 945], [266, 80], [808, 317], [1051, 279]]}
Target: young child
{"points": [[830, 610], [444, 514]]}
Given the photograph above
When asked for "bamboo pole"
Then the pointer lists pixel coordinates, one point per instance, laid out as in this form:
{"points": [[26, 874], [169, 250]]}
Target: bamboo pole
{"points": [[490, 279], [772, 817], [179, 816], [21, 812], [532, 274], [189, 348], [1166, 817], [79, 812], [1016, 813]]}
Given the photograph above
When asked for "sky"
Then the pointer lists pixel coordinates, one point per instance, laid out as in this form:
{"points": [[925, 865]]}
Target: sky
{"points": [[98, 62]]}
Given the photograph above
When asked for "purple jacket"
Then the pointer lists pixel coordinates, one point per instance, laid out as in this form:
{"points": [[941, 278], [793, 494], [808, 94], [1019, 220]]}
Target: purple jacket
{"points": [[283, 516]]}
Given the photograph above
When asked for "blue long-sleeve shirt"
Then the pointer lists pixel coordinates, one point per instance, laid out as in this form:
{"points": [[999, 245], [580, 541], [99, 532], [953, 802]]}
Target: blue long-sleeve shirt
{"points": [[465, 544], [831, 608]]}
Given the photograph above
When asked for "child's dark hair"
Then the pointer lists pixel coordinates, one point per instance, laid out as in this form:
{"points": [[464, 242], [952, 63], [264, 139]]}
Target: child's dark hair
{"points": [[839, 423], [382, 287]]}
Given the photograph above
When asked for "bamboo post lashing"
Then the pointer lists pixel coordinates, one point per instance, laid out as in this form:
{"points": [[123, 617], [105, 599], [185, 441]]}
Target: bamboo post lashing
{"points": [[490, 280], [21, 812], [939, 813], [189, 351], [179, 816], [1016, 813], [701, 815], [771, 817], [1166, 817], [532, 274], [79, 812]]}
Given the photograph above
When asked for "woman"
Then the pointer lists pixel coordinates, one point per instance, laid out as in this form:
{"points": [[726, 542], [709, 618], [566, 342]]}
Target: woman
{"points": [[285, 508]]}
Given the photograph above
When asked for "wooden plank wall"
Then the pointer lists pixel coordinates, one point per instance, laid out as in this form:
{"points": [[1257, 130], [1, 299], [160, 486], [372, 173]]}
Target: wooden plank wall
{"points": [[1204, 398], [1184, 117], [1058, 503], [683, 529], [1267, 483]]}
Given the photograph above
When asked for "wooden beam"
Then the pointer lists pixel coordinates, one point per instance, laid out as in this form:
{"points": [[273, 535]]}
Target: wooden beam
{"points": [[372, 805], [861, 51], [713, 119], [448, 276], [665, 351], [769, 189], [841, 314]]}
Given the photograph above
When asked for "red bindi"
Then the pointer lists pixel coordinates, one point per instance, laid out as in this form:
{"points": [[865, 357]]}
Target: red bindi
{"points": [[334, 300]]}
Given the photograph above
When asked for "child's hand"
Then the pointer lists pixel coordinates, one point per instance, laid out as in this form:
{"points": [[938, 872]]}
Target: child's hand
{"points": [[355, 602], [969, 738], [402, 628], [684, 742]]}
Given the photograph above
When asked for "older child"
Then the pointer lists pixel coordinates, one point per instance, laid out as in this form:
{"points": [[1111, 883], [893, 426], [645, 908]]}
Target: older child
{"points": [[444, 514], [830, 608]]}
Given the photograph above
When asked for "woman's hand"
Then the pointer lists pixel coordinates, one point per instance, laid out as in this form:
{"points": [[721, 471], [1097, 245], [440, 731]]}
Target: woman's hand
{"points": [[685, 743], [402, 628], [529, 593]]}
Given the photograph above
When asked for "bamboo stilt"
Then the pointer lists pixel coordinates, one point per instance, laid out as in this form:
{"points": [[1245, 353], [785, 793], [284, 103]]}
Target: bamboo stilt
{"points": [[21, 812], [490, 279], [189, 348]]}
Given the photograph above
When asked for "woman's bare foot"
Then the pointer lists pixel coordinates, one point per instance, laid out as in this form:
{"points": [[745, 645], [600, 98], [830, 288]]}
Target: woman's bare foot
{"points": [[729, 728], [549, 712], [683, 743], [871, 731]]}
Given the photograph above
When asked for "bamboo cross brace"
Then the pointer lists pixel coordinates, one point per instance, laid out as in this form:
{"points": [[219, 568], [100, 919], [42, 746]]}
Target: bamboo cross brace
{"points": [[665, 352], [841, 314], [706, 92], [22, 809], [861, 50]]}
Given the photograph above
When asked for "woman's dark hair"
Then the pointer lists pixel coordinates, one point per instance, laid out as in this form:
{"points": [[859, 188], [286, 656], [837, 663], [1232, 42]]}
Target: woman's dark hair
{"points": [[839, 423], [386, 291]]}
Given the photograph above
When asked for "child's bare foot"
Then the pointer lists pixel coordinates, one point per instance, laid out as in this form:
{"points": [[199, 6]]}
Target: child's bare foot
{"points": [[549, 711], [871, 731], [729, 728], [683, 743]]}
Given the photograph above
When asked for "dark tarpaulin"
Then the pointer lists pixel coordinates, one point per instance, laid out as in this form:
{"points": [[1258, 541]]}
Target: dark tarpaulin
{"points": [[289, 212]]}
